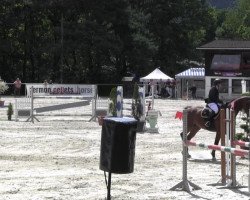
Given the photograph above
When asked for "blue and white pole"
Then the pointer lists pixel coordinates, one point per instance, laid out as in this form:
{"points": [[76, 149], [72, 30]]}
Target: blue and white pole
{"points": [[119, 101], [142, 98]]}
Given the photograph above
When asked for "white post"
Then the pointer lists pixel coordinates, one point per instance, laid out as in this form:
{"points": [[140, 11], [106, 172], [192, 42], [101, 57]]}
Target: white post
{"points": [[153, 91], [244, 86], [142, 98], [31, 118], [119, 101], [185, 183], [32, 105], [94, 103], [228, 143]]}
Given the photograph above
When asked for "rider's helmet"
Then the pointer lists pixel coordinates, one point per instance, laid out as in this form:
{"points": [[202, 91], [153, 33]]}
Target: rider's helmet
{"points": [[217, 81]]}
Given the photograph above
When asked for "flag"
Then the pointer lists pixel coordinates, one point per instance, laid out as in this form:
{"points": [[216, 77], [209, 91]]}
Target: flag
{"points": [[178, 115]]}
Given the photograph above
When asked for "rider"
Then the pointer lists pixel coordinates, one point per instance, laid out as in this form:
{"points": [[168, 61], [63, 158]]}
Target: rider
{"points": [[214, 101]]}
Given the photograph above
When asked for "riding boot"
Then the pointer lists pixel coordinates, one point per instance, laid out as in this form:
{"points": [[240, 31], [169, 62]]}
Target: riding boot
{"points": [[210, 119]]}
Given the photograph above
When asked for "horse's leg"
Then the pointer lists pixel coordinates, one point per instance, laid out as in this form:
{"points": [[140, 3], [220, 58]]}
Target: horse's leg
{"points": [[216, 142], [191, 133]]}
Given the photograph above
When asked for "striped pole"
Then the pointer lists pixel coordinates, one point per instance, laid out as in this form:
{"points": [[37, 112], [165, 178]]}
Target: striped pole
{"points": [[119, 101], [241, 143], [237, 152]]}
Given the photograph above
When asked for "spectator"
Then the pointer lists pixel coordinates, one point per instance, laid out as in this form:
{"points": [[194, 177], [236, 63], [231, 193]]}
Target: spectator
{"points": [[45, 83], [193, 91], [17, 86]]}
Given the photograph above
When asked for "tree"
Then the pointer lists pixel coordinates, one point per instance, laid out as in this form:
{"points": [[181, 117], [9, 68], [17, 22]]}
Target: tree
{"points": [[177, 27], [237, 22], [90, 41]]}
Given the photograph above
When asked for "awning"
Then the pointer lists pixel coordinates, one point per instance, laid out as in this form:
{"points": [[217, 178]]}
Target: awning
{"points": [[192, 73]]}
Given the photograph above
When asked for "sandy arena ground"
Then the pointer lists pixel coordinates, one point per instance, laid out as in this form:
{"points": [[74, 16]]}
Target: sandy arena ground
{"points": [[58, 159]]}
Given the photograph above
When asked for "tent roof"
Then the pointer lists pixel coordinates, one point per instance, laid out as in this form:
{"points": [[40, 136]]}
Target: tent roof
{"points": [[156, 75], [192, 73]]}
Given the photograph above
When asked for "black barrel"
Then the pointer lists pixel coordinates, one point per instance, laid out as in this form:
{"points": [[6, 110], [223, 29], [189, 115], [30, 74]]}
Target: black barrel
{"points": [[118, 145]]}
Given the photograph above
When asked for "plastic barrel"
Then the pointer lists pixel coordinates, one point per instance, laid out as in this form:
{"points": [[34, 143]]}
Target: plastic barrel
{"points": [[118, 145]]}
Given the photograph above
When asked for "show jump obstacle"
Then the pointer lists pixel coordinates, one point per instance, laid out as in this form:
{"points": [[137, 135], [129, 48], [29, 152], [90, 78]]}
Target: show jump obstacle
{"points": [[84, 94], [122, 107], [228, 152]]}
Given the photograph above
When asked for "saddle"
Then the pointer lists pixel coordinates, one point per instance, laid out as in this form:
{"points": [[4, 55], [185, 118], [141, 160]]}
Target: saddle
{"points": [[207, 113], [208, 116]]}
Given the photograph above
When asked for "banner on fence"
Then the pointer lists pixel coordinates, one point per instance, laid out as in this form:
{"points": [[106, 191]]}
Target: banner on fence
{"points": [[60, 89]]}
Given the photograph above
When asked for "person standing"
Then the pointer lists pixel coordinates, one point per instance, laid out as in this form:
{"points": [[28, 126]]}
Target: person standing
{"points": [[17, 86], [214, 102], [193, 91], [45, 83]]}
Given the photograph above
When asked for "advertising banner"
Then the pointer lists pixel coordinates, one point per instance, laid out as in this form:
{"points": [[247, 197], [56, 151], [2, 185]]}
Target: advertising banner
{"points": [[60, 90]]}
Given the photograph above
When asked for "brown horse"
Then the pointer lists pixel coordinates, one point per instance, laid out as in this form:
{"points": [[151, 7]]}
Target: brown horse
{"points": [[195, 122]]}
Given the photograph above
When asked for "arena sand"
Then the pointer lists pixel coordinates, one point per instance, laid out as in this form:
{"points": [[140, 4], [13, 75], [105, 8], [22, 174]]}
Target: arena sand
{"points": [[58, 159]]}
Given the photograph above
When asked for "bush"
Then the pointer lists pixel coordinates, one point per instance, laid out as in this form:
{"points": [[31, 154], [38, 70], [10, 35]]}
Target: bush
{"points": [[3, 87], [10, 111], [246, 94]]}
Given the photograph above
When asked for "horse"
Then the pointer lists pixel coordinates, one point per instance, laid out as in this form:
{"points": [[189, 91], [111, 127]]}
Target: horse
{"points": [[195, 121]]}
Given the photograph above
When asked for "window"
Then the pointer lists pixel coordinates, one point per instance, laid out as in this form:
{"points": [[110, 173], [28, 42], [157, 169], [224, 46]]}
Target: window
{"points": [[200, 84], [226, 62], [245, 60], [236, 86], [224, 85]]}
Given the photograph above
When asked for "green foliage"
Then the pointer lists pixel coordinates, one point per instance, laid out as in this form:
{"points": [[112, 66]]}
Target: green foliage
{"points": [[187, 18], [246, 128], [136, 103], [240, 136], [90, 41], [10, 111], [3, 87], [245, 94], [112, 103], [237, 22]]}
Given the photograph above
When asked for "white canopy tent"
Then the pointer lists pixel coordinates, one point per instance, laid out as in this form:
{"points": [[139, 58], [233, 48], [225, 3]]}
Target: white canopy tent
{"points": [[155, 76]]}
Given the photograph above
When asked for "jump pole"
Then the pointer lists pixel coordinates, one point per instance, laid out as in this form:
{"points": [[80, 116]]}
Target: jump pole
{"points": [[94, 102], [232, 157], [241, 143], [228, 159], [120, 103], [32, 116], [185, 184], [222, 135], [238, 152]]}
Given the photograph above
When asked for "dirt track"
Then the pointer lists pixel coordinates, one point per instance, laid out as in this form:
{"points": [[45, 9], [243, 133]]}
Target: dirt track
{"points": [[58, 159]]}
